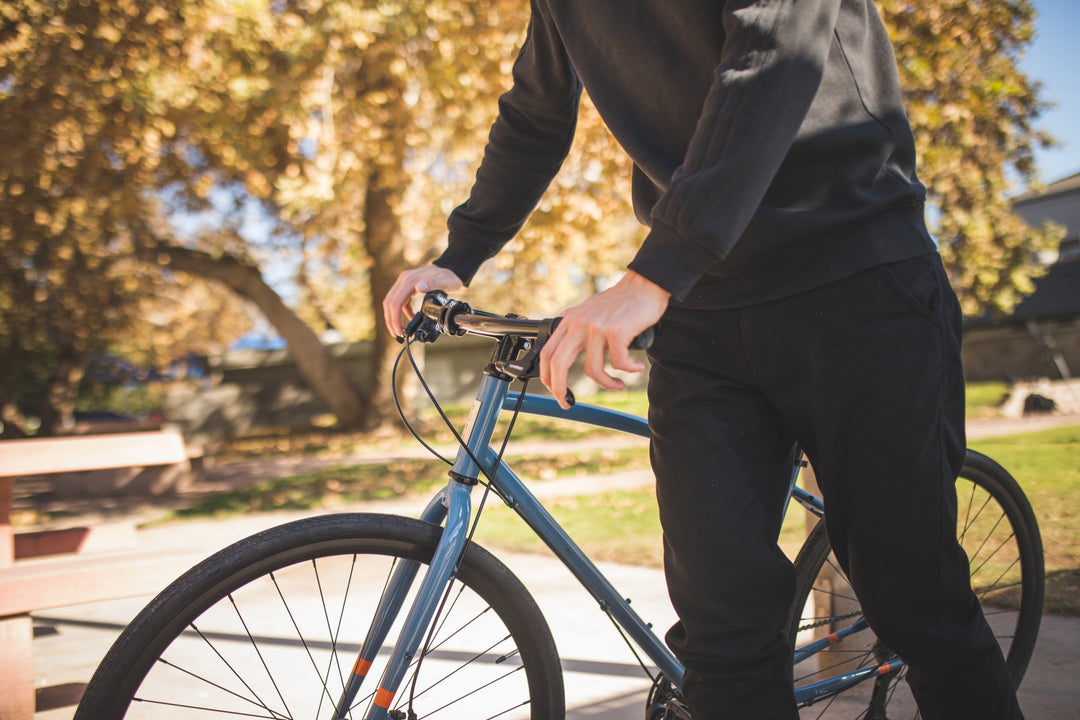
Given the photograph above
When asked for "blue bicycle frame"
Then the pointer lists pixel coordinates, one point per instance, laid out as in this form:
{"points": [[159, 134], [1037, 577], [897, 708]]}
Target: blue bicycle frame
{"points": [[451, 507]]}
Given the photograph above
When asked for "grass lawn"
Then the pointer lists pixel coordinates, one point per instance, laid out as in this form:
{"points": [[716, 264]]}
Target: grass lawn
{"points": [[1047, 466], [334, 486], [623, 527], [617, 526], [985, 398]]}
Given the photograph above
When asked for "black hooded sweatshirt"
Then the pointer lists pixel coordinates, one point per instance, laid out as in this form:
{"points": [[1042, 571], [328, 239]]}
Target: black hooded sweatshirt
{"points": [[771, 149]]}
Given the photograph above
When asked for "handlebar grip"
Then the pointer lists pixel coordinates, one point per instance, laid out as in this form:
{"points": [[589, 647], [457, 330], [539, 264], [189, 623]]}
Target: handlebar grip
{"points": [[644, 341]]}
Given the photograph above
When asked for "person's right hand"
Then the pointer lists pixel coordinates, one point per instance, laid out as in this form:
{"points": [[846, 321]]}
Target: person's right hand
{"points": [[397, 305]]}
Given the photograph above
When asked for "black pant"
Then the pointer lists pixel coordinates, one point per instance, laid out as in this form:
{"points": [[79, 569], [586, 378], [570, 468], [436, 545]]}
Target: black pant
{"points": [[865, 375]]}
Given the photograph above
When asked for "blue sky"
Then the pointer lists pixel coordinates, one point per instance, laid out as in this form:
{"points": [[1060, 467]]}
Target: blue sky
{"points": [[1051, 59]]}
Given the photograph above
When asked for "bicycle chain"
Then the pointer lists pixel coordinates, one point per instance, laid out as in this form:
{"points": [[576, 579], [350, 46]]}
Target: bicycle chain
{"points": [[828, 621]]}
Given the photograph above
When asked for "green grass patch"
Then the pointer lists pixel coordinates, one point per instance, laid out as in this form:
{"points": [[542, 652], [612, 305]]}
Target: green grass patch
{"points": [[339, 485], [624, 527], [984, 399], [619, 526], [430, 426], [1047, 467], [322, 489]]}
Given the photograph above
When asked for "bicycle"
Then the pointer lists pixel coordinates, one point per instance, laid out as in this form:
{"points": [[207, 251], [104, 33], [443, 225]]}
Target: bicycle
{"points": [[297, 621]]}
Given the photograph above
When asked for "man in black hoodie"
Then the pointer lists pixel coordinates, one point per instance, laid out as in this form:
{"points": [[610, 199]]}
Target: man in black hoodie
{"points": [[799, 298]]}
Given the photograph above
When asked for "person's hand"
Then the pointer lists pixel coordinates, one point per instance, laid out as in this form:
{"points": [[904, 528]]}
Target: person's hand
{"points": [[604, 325], [397, 305]]}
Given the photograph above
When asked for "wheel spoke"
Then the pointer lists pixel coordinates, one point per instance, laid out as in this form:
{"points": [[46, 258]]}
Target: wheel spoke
{"points": [[257, 702]]}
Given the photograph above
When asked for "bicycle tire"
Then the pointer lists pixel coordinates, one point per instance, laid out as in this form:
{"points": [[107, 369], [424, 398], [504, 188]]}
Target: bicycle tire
{"points": [[1008, 575], [270, 626]]}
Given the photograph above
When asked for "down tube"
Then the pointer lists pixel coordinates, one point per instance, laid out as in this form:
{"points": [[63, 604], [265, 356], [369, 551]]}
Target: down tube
{"points": [[533, 513]]}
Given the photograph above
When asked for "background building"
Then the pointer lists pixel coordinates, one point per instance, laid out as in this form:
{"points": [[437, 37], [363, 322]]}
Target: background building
{"points": [[1040, 339]]}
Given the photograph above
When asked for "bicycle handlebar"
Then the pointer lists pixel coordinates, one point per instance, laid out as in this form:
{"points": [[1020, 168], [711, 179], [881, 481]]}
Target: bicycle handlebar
{"points": [[454, 317], [440, 314]]}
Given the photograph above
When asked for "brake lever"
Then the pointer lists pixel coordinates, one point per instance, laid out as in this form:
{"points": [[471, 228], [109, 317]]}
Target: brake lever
{"points": [[421, 329]]}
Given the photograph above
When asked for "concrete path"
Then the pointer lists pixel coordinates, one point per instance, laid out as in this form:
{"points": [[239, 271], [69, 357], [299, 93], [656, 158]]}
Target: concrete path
{"points": [[603, 681]]}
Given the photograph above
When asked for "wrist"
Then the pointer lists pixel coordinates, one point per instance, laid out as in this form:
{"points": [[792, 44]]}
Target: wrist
{"points": [[637, 283]]}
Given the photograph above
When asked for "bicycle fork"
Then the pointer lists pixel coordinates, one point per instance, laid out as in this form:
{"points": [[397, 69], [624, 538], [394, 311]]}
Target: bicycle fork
{"points": [[453, 504]]}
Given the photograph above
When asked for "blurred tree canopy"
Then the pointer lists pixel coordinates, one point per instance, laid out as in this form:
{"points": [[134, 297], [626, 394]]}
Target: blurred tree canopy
{"points": [[150, 148], [79, 150], [973, 112]]}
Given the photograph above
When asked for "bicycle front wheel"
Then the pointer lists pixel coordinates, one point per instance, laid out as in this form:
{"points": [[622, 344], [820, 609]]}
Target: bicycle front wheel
{"points": [[270, 628], [996, 528]]}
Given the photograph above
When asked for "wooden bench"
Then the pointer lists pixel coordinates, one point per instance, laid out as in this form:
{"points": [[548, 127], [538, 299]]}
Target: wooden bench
{"points": [[28, 585]]}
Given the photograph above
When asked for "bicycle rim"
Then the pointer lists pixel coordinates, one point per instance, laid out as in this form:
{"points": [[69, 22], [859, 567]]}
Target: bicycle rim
{"points": [[271, 627], [996, 528]]}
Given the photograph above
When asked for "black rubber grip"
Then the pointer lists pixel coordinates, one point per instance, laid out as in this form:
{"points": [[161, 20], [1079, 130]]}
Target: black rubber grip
{"points": [[644, 341]]}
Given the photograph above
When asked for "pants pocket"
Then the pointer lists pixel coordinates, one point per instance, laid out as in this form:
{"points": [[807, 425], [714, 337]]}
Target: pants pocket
{"points": [[917, 282]]}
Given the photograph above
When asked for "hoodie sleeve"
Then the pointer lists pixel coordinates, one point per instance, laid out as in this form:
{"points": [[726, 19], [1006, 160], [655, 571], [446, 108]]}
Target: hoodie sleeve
{"points": [[771, 66]]}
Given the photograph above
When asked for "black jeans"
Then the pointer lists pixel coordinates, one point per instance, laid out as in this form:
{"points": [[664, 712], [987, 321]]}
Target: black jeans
{"points": [[865, 375]]}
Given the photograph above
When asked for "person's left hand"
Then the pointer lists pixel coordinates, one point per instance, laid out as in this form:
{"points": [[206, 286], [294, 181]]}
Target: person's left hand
{"points": [[603, 326]]}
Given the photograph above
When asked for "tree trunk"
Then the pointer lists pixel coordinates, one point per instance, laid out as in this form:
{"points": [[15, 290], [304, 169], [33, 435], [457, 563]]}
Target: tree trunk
{"points": [[321, 370], [385, 247]]}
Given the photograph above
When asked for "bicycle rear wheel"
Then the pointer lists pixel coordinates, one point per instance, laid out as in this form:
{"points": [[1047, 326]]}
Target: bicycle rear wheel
{"points": [[996, 528], [270, 627]]}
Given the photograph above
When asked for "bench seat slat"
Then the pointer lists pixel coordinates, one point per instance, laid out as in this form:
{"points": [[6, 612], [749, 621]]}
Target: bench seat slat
{"points": [[42, 585], [99, 452]]}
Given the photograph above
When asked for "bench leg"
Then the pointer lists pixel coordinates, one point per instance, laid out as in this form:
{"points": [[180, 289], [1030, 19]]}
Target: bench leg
{"points": [[16, 632], [7, 534], [17, 660]]}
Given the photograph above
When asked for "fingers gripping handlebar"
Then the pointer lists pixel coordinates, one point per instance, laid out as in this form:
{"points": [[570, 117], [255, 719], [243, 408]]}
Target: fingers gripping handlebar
{"points": [[440, 314]]}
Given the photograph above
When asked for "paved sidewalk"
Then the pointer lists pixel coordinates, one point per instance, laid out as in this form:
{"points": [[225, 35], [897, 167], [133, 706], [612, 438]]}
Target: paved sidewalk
{"points": [[603, 681], [997, 427], [602, 678]]}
